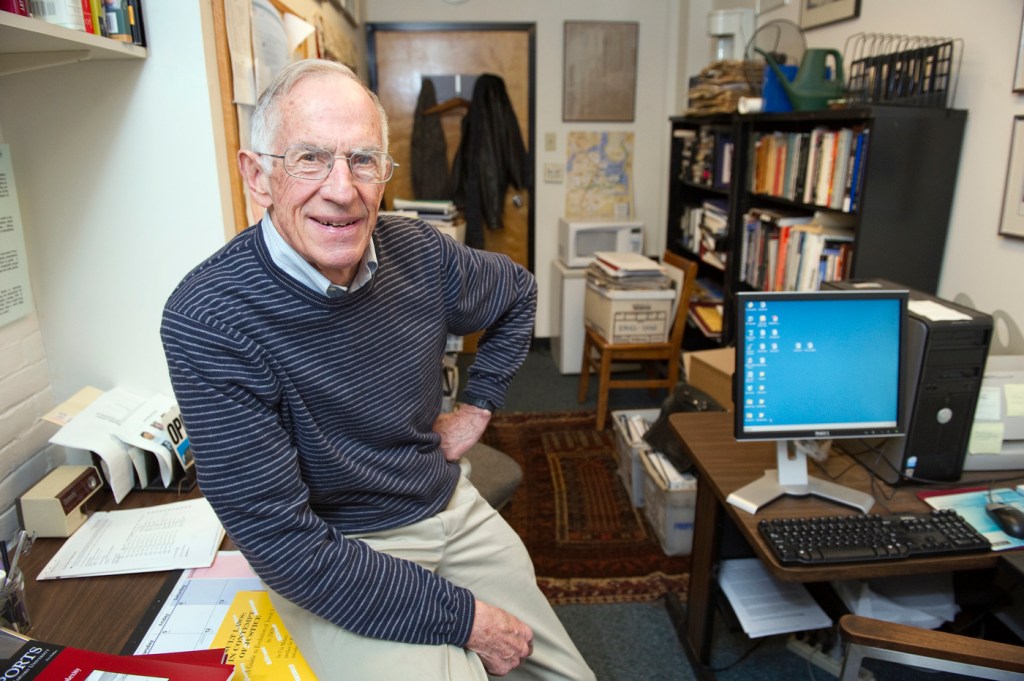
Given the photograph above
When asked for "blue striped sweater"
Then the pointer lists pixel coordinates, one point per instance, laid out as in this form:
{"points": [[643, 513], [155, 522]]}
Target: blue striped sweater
{"points": [[310, 417]]}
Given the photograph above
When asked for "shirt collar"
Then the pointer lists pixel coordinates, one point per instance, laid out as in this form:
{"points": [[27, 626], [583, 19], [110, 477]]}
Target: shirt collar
{"points": [[289, 260]]}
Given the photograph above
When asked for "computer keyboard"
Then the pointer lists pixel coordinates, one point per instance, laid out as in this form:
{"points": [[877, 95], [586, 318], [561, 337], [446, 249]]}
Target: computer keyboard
{"points": [[871, 537]]}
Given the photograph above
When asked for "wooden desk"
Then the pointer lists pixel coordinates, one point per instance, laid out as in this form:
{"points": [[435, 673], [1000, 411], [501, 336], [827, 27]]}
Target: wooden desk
{"points": [[724, 466], [96, 613]]}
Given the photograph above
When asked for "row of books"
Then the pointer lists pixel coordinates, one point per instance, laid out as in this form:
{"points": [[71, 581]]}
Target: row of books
{"points": [[115, 19], [822, 167], [704, 230], [705, 156], [784, 252]]}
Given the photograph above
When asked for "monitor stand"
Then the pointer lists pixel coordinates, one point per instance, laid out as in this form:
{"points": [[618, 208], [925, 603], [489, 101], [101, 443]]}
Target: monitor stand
{"points": [[791, 478]]}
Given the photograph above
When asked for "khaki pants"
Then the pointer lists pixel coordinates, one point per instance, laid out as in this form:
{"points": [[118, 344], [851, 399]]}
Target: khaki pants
{"points": [[470, 544]]}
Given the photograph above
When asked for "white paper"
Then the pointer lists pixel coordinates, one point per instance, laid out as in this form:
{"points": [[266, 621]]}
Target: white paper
{"points": [[15, 289], [197, 605], [269, 43], [990, 406], [935, 311], [924, 601], [92, 431], [183, 534], [766, 606]]}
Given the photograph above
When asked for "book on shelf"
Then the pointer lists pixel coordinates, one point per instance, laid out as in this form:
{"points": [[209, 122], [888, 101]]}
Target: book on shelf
{"points": [[820, 167], [19, 7], [794, 252], [707, 316]]}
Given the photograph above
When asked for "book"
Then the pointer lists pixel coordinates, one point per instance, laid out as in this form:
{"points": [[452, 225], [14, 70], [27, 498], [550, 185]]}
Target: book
{"points": [[43, 661]]}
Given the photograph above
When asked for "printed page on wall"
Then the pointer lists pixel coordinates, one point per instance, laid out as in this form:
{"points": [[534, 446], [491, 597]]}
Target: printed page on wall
{"points": [[15, 291]]}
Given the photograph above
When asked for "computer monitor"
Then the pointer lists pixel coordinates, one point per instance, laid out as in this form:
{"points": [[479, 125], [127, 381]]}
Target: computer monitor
{"points": [[816, 365]]}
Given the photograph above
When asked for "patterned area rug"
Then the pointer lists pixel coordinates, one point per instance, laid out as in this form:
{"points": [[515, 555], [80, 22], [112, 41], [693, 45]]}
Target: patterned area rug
{"points": [[588, 542]]}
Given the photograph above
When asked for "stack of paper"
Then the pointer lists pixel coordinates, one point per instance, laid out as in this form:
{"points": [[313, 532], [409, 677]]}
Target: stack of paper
{"points": [[765, 606], [626, 271], [185, 534]]}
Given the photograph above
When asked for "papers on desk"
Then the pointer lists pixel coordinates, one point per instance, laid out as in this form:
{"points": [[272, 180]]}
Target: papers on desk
{"points": [[184, 534], [766, 606], [226, 606], [136, 438]]}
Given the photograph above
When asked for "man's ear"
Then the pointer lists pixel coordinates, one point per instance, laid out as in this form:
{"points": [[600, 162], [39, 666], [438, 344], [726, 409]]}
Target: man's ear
{"points": [[255, 176]]}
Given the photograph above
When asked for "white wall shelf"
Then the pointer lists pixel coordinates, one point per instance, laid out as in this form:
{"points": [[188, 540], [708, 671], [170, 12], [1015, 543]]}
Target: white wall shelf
{"points": [[27, 44]]}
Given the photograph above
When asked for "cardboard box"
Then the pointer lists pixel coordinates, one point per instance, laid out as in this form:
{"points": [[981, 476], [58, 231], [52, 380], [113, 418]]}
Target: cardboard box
{"points": [[670, 511], [711, 371], [638, 316], [631, 469]]}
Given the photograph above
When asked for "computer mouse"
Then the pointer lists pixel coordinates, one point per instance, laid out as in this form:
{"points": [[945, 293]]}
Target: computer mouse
{"points": [[1009, 519]]}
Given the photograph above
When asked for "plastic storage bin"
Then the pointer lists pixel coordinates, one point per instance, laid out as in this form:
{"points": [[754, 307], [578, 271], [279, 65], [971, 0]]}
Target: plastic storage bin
{"points": [[631, 469], [669, 511]]}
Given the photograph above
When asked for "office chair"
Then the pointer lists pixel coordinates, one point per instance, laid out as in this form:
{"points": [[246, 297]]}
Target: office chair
{"points": [[866, 637], [599, 354]]}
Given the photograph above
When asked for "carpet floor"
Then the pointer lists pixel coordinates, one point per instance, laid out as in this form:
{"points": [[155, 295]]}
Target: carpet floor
{"points": [[588, 542]]}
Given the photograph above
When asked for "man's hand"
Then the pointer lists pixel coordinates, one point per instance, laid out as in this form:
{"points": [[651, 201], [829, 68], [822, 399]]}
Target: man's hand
{"points": [[501, 640], [461, 429]]}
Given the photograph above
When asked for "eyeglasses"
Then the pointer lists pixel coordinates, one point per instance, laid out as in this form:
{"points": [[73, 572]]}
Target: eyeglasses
{"points": [[314, 163]]}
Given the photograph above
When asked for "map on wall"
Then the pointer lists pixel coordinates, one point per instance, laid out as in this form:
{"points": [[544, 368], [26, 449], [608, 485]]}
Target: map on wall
{"points": [[599, 175]]}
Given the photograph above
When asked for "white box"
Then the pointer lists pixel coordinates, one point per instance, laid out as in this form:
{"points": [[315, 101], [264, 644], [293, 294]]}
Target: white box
{"points": [[631, 469], [670, 512], [637, 316]]}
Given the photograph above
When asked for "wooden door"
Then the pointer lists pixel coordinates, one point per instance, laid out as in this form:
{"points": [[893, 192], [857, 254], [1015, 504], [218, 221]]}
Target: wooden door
{"points": [[403, 57]]}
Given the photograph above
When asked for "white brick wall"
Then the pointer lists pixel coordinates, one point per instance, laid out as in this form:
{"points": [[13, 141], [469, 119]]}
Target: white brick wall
{"points": [[25, 396]]}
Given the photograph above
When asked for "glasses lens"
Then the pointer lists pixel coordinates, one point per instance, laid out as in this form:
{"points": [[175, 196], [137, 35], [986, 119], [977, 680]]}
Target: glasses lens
{"points": [[307, 162], [370, 166]]}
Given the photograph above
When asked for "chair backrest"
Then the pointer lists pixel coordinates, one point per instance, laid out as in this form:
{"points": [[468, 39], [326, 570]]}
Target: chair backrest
{"points": [[688, 268]]}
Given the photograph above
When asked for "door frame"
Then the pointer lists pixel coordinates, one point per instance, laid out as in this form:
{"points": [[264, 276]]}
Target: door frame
{"points": [[531, 31]]}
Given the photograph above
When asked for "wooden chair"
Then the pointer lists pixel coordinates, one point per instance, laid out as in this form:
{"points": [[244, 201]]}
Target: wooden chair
{"points": [[866, 637], [600, 355]]}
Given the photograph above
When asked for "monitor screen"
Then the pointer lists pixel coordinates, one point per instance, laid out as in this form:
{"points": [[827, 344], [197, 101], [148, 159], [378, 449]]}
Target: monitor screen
{"points": [[819, 364]]}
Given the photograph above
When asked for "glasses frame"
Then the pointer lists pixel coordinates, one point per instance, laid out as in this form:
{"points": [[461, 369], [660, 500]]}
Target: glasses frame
{"points": [[388, 158]]}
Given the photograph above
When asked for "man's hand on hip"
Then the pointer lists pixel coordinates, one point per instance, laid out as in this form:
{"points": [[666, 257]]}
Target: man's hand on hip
{"points": [[461, 429]]}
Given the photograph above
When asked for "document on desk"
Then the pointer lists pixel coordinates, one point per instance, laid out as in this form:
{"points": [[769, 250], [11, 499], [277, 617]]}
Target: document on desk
{"points": [[183, 534], [766, 606]]}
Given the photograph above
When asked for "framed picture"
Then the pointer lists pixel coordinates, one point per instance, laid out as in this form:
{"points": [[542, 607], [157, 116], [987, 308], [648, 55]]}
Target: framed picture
{"points": [[1018, 74], [599, 71], [1011, 223], [814, 13]]}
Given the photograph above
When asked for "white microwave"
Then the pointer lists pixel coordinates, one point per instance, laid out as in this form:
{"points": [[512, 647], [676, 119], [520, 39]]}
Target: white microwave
{"points": [[578, 240]]}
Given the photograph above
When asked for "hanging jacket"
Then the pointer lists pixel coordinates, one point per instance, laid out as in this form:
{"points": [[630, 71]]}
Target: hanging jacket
{"points": [[490, 158], [429, 150]]}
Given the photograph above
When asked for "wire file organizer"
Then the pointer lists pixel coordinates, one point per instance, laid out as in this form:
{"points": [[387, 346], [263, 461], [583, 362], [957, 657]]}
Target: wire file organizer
{"points": [[885, 68]]}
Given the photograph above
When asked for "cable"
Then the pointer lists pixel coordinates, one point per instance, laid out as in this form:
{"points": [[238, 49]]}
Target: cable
{"points": [[742, 657]]}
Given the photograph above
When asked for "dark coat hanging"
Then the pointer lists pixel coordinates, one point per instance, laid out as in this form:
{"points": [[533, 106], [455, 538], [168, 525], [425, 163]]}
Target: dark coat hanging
{"points": [[429, 151], [490, 158]]}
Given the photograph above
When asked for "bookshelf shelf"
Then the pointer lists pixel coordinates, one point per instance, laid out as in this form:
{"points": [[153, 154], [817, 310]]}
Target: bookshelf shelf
{"points": [[897, 216], [27, 44]]}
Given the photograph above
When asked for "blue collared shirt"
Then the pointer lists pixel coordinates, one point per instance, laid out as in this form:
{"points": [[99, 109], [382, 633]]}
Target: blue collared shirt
{"points": [[289, 260]]}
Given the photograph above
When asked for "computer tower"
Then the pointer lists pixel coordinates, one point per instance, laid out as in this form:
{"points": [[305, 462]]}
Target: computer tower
{"points": [[946, 348]]}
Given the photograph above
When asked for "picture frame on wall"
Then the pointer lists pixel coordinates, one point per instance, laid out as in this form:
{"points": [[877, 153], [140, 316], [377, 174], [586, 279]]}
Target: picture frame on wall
{"points": [[815, 13], [1018, 73], [599, 71], [1011, 222]]}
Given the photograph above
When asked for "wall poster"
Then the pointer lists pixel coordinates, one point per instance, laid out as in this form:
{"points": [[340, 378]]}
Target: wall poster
{"points": [[15, 292]]}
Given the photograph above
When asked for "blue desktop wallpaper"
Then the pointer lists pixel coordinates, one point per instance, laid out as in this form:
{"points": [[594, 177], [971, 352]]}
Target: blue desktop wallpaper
{"points": [[814, 364]]}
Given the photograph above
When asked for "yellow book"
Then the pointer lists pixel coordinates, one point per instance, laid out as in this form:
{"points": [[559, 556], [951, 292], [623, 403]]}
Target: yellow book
{"points": [[256, 642]]}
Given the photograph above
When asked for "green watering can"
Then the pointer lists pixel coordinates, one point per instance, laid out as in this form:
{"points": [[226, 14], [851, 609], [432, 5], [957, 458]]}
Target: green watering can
{"points": [[812, 87]]}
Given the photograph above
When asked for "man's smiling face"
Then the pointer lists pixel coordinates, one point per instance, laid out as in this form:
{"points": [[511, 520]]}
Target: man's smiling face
{"points": [[328, 222]]}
